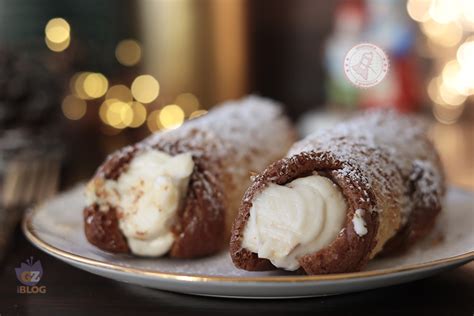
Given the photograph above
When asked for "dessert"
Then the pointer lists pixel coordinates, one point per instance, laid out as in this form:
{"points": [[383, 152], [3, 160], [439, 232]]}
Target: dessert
{"points": [[371, 185], [177, 192]]}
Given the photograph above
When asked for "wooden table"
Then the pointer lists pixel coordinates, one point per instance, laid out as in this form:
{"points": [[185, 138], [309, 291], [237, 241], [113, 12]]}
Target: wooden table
{"points": [[71, 291]]}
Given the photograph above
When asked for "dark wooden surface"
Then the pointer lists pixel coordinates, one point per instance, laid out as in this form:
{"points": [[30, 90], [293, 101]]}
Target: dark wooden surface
{"points": [[71, 291]]}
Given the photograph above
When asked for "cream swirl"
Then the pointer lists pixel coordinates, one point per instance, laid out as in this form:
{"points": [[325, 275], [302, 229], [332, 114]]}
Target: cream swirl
{"points": [[290, 221], [147, 196]]}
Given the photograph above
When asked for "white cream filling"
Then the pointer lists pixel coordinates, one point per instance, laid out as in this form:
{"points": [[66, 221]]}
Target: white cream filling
{"points": [[147, 196], [290, 221], [358, 221]]}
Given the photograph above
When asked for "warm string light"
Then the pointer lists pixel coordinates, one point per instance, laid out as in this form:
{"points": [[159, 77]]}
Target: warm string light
{"points": [[88, 85], [139, 114], [122, 107], [73, 108], [128, 52], [95, 85], [188, 103], [445, 23], [57, 34], [171, 116], [119, 92], [153, 121], [145, 88]]}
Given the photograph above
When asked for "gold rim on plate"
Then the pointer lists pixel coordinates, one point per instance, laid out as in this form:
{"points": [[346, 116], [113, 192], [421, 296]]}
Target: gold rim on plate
{"points": [[30, 233]]}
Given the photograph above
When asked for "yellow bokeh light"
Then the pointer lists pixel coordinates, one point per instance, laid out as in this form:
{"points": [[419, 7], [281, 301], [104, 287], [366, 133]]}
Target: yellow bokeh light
{"points": [[197, 113], [120, 92], [57, 47], [450, 97], [73, 108], [171, 116], [128, 52], [57, 34], [145, 88], [444, 11], [446, 35], [456, 78], [153, 121], [95, 85], [139, 114], [431, 29], [103, 110], [433, 90], [468, 10], [188, 102], [418, 10], [465, 54], [447, 115], [57, 30], [450, 71], [116, 113], [76, 85]]}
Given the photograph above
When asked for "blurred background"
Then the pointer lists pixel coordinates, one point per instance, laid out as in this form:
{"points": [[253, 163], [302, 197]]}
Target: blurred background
{"points": [[79, 79]]}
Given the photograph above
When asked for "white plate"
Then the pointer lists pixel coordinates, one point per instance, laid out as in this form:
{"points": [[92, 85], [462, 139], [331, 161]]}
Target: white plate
{"points": [[56, 228]]}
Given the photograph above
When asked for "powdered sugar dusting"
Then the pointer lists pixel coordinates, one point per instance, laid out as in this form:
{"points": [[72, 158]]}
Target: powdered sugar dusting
{"points": [[242, 130], [242, 136], [390, 149], [233, 139]]}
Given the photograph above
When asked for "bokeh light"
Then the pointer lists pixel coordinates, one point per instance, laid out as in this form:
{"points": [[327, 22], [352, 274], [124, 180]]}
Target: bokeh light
{"points": [[139, 114], [153, 121], [468, 11], [455, 78], [444, 11], [446, 35], [465, 54], [120, 92], [445, 23], [450, 97], [57, 34], [433, 90], [76, 84], [188, 102], [447, 115], [116, 113], [128, 52], [171, 116], [95, 85], [73, 108], [418, 10], [88, 85], [145, 88], [57, 47]]}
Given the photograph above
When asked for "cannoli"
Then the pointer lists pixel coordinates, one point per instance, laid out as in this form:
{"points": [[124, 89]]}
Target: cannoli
{"points": [[340, 197], [177, 192]]}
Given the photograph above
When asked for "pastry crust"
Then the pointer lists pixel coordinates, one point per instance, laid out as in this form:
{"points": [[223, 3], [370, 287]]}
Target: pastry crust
{"points": [[225, 147], [393, 175]]}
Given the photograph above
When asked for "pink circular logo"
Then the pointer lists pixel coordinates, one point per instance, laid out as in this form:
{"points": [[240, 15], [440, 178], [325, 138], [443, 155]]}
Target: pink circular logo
{"points": [[366, 65]]}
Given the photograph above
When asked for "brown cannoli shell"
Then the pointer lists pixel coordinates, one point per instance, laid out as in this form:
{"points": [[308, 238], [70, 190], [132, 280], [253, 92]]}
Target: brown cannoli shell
{"points": [[384, 164], [348, 251], [225, 145]]}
